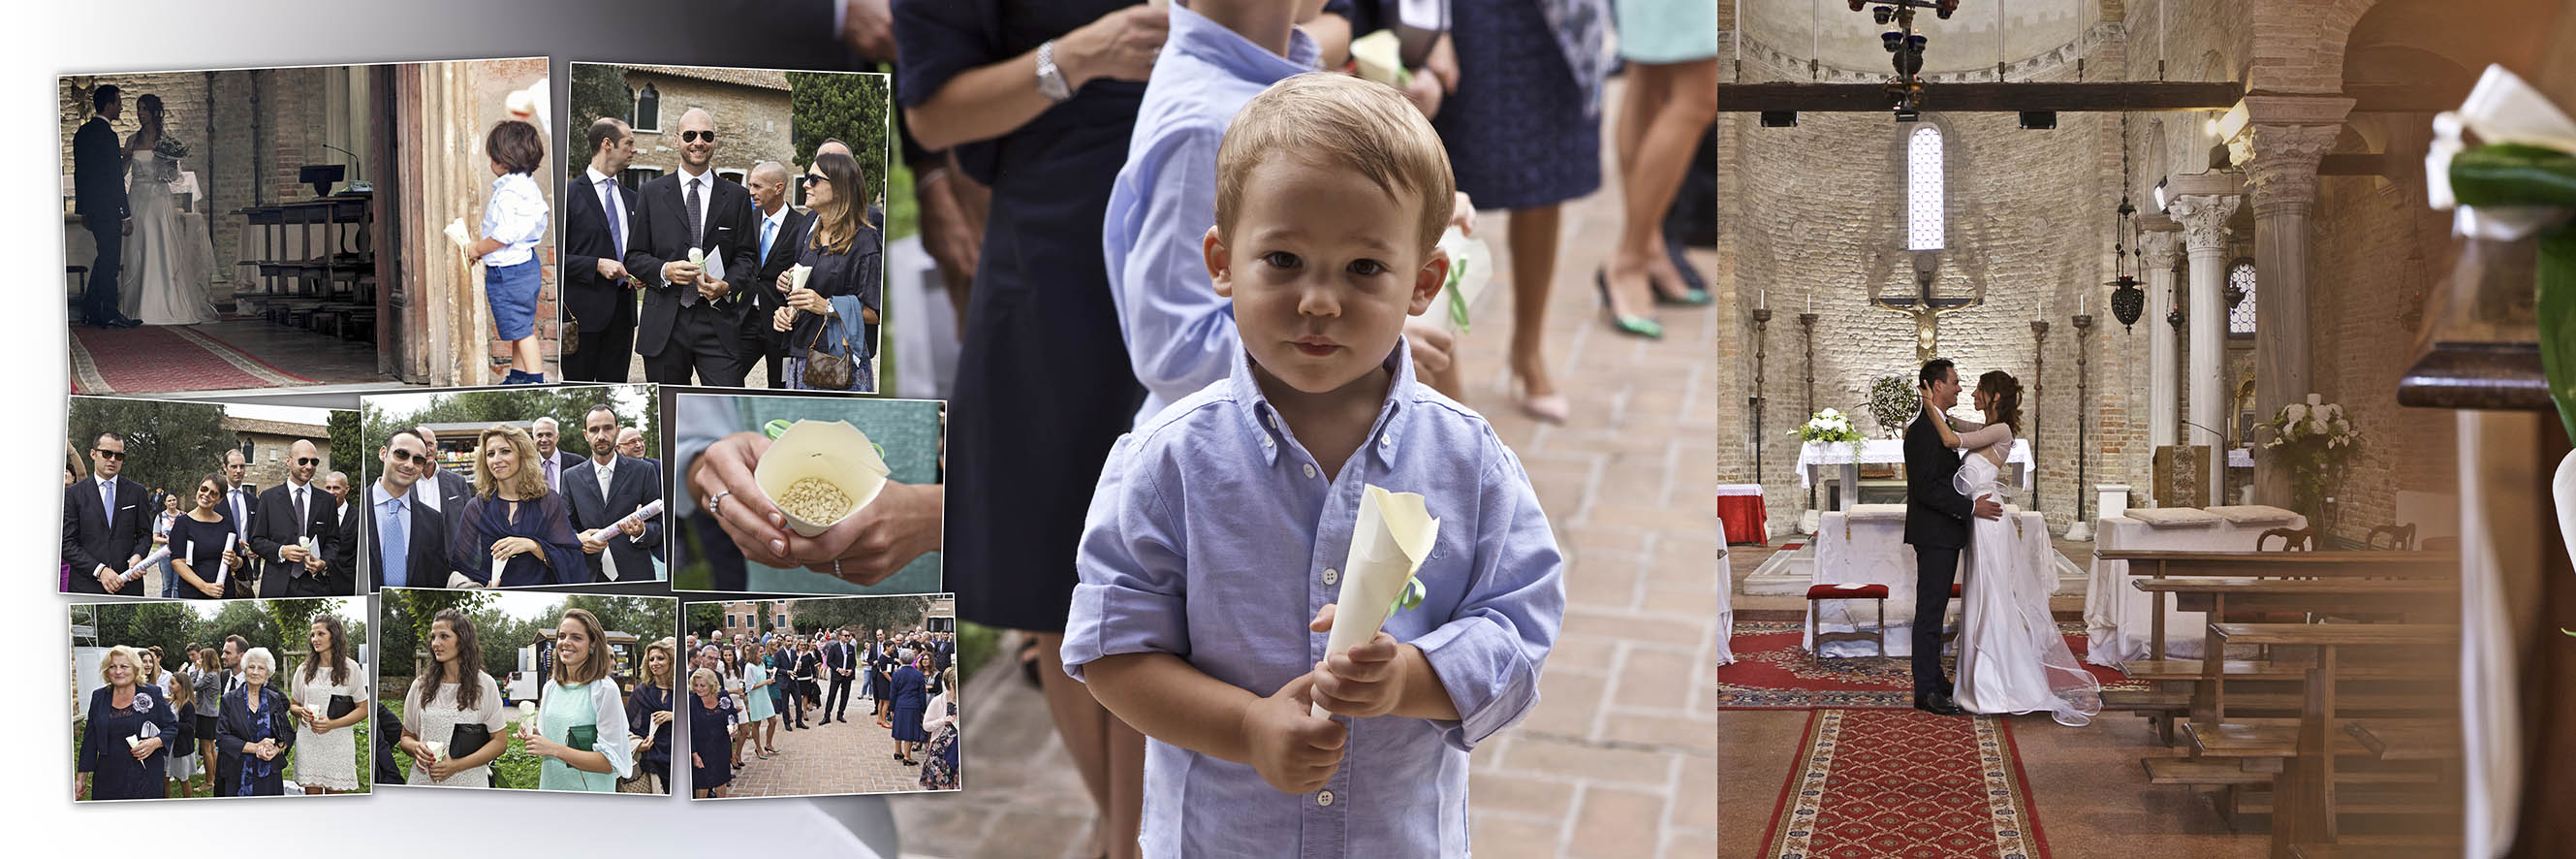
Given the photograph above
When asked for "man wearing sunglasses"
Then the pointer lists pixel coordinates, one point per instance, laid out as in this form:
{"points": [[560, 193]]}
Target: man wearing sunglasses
{"points": [[693, 320], [400, 525], [105, 525], [297, 532]]}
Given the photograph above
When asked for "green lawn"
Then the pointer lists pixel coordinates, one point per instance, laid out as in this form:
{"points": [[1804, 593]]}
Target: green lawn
{"points": [[515, 769]]}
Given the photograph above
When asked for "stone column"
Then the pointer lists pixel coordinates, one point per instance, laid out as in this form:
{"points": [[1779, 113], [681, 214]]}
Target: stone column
{"points": [[2161, 249], [2283, 176], [2204, 229]]}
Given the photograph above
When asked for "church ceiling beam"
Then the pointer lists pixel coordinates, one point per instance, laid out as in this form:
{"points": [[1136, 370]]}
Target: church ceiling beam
{"points": [[1981, 97]]}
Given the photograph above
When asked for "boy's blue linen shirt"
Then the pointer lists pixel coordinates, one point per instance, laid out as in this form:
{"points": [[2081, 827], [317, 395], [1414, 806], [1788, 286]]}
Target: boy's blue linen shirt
{"points": [[1215, 536], [1180, 333]]}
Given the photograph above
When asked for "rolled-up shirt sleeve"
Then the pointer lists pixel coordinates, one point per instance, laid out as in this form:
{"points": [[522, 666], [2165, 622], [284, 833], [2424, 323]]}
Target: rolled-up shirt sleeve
{"points": [[1134, 588], [609, 715], [1488, 657]]}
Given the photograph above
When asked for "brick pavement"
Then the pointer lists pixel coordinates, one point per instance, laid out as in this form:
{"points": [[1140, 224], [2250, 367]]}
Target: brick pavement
{"points": [[843, 757], [1619, 758]]}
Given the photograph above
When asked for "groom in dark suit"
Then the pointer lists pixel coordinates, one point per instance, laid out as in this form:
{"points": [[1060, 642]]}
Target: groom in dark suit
{"points": [[106, 525], [98, 194], [625, 553], [1936, 525], [694, 324]]}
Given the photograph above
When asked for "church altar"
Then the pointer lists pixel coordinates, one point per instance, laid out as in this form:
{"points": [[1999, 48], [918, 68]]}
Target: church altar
{"points": [[1884, 451], [1867, 546], [2119, 618]]}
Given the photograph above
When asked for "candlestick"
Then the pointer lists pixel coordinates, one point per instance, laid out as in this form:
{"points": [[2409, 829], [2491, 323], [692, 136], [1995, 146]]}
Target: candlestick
{"points": [[2079, 303], [1811, 301], [1762, 299]]}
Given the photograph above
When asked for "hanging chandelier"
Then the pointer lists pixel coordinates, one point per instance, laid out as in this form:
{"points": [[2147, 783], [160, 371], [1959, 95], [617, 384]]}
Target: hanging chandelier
{"points": [[1905, 48], [2127, 300]]}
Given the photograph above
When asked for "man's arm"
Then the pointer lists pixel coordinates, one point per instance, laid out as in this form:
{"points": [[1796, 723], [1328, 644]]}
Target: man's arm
{"points": [[640, 246]]}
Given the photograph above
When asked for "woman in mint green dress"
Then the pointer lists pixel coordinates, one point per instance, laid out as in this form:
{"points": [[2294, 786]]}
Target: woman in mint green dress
{"points": [[580, 736], [755, 694]]}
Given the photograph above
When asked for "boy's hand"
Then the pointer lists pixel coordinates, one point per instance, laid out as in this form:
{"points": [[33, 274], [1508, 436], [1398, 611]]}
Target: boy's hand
{"points": [[1361, 682], [1294, 752]]}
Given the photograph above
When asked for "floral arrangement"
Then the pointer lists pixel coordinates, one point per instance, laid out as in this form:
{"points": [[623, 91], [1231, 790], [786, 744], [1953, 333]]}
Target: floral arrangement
{"points": [[1893, 402], [1828, 427], [2314, 438]]}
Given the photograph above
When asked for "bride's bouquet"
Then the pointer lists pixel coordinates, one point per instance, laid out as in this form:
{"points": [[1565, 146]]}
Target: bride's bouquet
{"points": [[169, 150]]}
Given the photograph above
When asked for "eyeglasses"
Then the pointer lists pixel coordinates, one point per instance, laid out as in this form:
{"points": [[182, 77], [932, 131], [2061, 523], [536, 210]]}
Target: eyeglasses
{"points": [[812, 178], [306, 460], [695, 136], [401, 455], [112, 455]]}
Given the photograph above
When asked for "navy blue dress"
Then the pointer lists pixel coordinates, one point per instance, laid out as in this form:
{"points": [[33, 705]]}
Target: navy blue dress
{"points": [[238, 727], [1519, 131], [709, 741], [114, 774], [909, 702], [641, 704], [204, 544], [483, 521], [1042, 346]]}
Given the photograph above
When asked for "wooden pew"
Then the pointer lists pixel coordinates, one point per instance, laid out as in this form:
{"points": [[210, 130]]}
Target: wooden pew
{"points": [[2165, 563], [2192, 686]]}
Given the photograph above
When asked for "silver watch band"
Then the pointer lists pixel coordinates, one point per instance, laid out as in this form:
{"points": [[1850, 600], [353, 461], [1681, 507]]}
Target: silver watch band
{"points": [[1051, 82]]}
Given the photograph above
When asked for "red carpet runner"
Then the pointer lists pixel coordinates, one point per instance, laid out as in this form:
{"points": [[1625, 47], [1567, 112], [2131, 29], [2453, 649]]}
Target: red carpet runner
{"points": [[161, 359], [1900, 784], [1771, 671]]}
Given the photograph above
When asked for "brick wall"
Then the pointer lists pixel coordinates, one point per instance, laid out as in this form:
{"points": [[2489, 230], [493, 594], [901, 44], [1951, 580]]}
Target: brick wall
{"points": [[752, 124]]}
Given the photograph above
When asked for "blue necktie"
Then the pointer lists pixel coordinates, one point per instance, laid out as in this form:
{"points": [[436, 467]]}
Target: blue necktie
{"points": [[766, 226], [397, 544], [616, 217]]}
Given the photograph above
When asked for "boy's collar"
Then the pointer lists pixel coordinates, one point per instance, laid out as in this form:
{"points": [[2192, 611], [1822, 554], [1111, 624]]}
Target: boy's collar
{"points": [[1194, 34], [1264, 419]]}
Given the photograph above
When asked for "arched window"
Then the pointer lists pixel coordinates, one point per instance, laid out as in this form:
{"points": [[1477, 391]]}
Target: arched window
{"points": [[1923, 189], [2240, 280], [648, 110]]}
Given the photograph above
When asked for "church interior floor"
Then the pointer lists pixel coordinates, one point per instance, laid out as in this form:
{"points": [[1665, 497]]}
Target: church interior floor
{"points": [[2090, 792], [322, 358]]}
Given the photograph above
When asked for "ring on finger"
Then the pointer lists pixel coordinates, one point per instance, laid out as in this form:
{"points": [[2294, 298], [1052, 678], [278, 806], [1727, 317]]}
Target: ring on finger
{"points": [[716, 505]]}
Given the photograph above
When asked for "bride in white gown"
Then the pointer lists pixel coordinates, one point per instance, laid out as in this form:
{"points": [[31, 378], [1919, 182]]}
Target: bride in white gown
{"points": [[2012, 659], [169, 268]]}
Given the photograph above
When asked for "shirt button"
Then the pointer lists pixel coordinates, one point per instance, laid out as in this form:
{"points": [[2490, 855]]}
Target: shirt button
{"points": [[1324, 798], [1310, 469], [1332, 576], [1265, 441], [1386, 441]]}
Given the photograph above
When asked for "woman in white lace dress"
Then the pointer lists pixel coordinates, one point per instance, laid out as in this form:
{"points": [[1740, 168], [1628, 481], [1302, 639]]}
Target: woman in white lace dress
{"points": [[326, 745], [454, 693], [2012, 659], [169, 268]]}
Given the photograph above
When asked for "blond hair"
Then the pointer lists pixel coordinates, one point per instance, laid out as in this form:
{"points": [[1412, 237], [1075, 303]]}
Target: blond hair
{"points": [[528, 482], [133, 658], [1339, 121]]}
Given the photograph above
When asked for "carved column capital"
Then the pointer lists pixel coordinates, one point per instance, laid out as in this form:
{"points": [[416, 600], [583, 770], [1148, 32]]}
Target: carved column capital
{"points": [[2283, 171], [2161, 248], [2204, 219]]}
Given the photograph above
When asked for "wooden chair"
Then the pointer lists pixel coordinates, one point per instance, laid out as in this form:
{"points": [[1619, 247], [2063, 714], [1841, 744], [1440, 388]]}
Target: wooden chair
{"points": [[2400, 537], [1820, 593], [2292, 539]]}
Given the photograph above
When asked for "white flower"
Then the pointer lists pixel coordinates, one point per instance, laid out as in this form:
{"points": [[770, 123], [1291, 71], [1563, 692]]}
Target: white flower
{"points": [[2315, 425], [2294, 413]]}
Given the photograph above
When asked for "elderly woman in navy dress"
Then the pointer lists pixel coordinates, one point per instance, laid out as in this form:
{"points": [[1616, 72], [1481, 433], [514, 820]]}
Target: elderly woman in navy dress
{"points": [[256, 732], [513, 531], [123, 752]]}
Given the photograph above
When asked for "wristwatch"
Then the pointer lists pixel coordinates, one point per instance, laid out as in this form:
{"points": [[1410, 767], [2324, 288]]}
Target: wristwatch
{"points": [[1051, 79]]}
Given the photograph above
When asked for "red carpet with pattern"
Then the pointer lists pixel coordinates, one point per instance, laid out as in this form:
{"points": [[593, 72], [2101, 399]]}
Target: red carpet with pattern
{"points": [[158, 359], [1772, 671], [1900, 784]]}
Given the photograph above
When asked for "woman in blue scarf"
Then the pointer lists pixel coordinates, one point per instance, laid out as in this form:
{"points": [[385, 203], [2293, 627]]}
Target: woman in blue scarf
{"points": [[255, 732], [513, 531]]}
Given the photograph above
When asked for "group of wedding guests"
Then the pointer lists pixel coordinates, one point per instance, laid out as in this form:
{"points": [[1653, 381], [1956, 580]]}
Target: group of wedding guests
{"points": [[532, 514], [731, 275], [225, 705], [587, 734], [745, 690], [215, 541]]}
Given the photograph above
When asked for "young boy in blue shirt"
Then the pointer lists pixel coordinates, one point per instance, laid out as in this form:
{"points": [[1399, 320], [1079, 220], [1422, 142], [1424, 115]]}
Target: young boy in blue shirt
{"points": [[1208, 557]]}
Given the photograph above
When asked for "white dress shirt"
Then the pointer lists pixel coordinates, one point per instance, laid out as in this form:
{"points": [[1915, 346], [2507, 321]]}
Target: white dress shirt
{"points": [[607, 471]]}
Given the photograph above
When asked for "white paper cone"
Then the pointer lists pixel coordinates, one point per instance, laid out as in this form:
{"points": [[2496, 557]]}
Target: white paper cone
{"points": [[834, 451], [1393, 533]]}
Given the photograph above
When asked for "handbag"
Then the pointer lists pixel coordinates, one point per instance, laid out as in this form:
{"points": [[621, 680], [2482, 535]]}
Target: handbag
{"points": [[466, 739], [824, 370], [342, 705]]}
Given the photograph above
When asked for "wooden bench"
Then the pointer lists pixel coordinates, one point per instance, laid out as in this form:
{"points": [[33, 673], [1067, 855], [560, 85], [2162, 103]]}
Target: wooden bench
{"points": [[2307, 789]]}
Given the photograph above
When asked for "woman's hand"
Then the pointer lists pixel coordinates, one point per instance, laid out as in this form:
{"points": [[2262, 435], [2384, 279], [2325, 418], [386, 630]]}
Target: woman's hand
{"points": [[232, 560], [783, 320], [806, 299], [1119, 46], [661, 717], [508, 547], [211, 590], [693, 761], [146, 748], [872, 544], [746, 514], [440, 768], [80, 784]]}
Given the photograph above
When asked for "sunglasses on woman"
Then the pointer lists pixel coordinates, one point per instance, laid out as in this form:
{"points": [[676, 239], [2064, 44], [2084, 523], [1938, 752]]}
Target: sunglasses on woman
{"points": [[811, 179]]}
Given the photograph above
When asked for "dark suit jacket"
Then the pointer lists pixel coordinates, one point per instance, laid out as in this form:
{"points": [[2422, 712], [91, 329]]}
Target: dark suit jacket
{"points": [[94, 535], [782, 255], [566, 461], [634, 483], [98, 171], [453, 489], [425, 548], [840, 655], [587, 296], [1936, 515], [342, 578], [662, 215], [278, 523]]}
